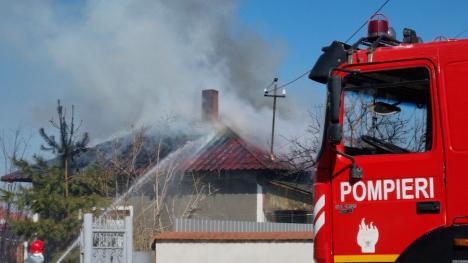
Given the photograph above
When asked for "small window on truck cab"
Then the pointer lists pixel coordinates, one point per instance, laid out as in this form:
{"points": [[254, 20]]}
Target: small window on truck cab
{"points": [[387, 112]]}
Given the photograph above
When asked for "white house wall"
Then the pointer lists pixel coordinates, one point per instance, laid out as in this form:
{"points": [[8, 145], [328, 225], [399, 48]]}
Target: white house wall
{"points": [[234, 252]]}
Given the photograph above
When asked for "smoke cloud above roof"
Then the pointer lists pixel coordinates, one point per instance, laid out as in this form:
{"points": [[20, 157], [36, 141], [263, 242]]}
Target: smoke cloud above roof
{"points": [[130, 63]]}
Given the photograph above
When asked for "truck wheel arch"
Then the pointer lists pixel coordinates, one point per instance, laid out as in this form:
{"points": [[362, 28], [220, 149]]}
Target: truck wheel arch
{"points": [[437, 246]]}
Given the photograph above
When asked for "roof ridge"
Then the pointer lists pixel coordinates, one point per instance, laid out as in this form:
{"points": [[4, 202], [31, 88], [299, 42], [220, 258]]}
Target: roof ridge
{"points": [[240, 154], [247, 146]]}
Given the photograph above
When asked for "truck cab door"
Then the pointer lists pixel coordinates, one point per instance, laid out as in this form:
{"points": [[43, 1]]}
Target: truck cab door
{"points": [[391, 129]]}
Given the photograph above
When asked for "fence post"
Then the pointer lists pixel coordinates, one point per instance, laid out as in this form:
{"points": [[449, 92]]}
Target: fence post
{"points": [[87, 237], [129, 238]]}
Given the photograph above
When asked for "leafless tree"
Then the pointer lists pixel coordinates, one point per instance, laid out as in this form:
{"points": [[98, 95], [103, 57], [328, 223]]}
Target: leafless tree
{"points": [[124, 164], [303, 149], [159, 192], [157, 214], [13, 146]]}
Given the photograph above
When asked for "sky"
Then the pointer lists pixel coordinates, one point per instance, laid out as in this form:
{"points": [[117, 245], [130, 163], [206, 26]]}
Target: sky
{"points": [[129, 63]]}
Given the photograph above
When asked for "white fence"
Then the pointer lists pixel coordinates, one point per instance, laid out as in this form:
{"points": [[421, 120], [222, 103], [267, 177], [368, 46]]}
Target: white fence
{"points": [[201, 225]]}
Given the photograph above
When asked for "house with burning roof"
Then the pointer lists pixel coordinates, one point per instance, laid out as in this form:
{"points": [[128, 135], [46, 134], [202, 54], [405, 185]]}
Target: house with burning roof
{"points": [[241, 180], [248, 184], [225, 178]]}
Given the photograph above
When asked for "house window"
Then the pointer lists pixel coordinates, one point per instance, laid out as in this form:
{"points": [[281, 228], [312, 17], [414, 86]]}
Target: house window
{"points": [[292, 216]]}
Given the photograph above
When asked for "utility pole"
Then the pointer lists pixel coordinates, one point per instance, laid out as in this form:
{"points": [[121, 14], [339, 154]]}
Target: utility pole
{"points": [[274, 96]]}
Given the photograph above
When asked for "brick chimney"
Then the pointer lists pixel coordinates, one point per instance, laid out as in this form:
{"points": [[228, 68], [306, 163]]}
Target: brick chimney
{"points": [[210, 111]]}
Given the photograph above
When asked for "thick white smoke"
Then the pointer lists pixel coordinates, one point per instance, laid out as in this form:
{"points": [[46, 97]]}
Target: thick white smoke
{"points": [[126, 63]]}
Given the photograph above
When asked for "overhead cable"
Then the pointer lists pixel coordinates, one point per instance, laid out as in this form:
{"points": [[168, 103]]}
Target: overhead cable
{"points": [[461, 33], [352, 35], [365, 22], [294, 80]]}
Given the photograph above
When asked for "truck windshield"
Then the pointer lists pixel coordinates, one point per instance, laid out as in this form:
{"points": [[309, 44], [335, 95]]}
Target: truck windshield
{"points": [[387, 112]]}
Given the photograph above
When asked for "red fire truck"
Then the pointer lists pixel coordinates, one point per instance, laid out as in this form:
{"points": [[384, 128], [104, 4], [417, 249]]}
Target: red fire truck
{"points": [[392, 177]]}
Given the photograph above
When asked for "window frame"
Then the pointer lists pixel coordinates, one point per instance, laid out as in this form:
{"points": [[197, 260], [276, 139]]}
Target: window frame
{"points": [[432, 115]]}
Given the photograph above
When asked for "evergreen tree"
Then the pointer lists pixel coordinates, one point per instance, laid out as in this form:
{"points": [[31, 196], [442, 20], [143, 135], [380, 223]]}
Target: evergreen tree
{"points": [[59, 218], [67, 147]]}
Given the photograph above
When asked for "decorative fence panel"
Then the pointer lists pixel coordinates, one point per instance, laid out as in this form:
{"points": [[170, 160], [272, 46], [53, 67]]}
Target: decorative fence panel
{"points": [[106, 239]]}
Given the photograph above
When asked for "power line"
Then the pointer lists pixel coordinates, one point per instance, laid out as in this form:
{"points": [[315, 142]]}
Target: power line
{"points": [[305, 73], [294, 80], [461, 33], [267, 89], [287, 83], [365, 22], [269, 85]]}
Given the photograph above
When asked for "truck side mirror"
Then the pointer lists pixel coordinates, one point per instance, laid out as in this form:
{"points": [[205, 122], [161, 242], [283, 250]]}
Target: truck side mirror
{"points": [[334, 133], [334, 93], [335, 129], [332, 57]]}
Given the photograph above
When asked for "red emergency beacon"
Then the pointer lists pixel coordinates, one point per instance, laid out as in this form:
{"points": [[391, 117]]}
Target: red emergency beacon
{"points": [[377, 26]]}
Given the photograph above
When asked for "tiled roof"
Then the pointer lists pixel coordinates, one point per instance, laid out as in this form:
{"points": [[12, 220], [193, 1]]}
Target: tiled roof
{"points": [[13, 215], [241, 236], [228, 152], [16, 176]]}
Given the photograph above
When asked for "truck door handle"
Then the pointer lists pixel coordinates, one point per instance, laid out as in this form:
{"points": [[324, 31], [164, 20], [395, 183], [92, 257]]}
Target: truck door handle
{"points": [[428, 207]]}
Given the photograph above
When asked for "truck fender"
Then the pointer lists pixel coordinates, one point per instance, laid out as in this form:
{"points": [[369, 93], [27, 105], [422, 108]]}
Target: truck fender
{"points": [[439, 245]]}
